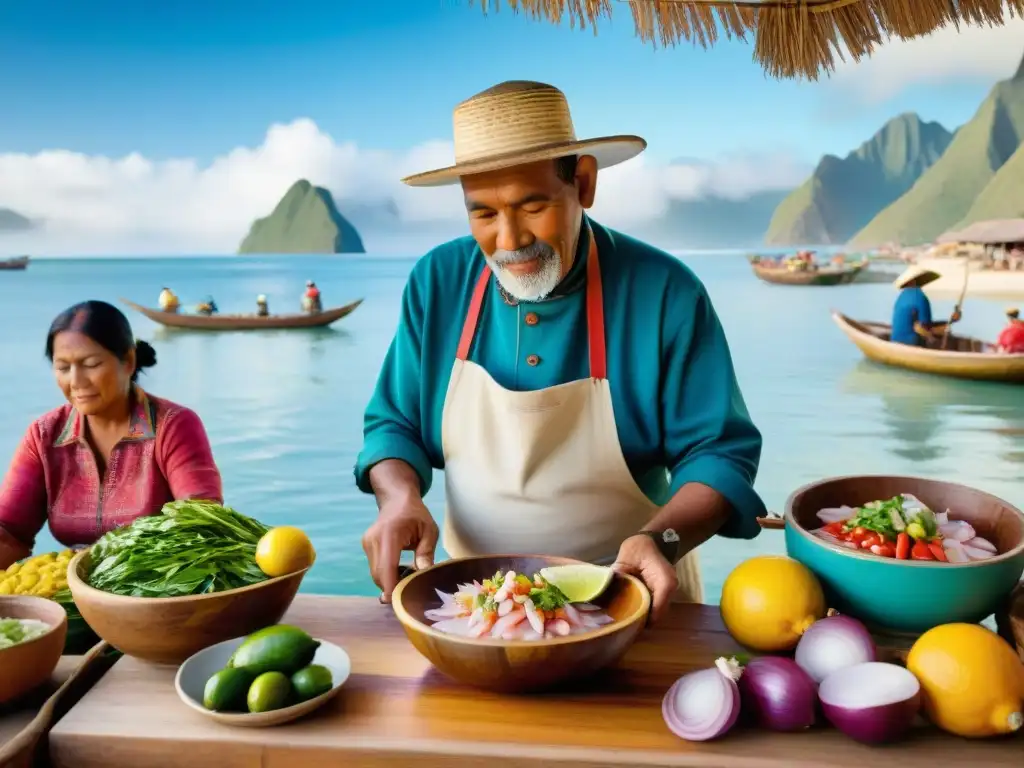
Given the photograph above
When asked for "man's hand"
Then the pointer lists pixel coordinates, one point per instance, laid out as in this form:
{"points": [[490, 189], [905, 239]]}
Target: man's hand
{"points": [[639, 556], [404, 524]]}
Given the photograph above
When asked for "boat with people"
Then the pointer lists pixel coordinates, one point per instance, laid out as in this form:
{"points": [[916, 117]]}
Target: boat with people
{"points": [[253, 322], [963, 357], [804, 271], [14, 263]]}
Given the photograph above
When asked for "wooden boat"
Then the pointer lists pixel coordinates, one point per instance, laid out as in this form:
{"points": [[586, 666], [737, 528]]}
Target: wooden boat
{"points": [[964, 357], [820, 276], [245, 322], [16, 262]]}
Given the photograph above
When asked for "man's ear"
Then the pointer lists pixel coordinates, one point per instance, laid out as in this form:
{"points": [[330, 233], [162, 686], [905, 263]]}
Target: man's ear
{"points": [[586, 180]]}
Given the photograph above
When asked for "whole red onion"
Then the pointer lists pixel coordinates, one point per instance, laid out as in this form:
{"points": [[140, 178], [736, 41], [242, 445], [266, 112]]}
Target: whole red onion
{"points": [[778, 694]]}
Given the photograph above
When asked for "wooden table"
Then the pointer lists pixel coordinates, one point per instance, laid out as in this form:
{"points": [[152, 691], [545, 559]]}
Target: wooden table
{"points": [[397, 710], [24, 723]]}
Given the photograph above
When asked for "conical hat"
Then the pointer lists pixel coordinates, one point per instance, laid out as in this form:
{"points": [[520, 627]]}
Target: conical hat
{"points": [[923, 276], [516, 123]]}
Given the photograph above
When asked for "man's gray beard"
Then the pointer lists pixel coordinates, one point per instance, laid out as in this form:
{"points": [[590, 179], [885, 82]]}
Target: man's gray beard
{"points": [[536, 285]]}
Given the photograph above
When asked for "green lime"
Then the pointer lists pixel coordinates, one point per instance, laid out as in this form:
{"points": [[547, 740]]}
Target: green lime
{"points": [[225, 690], [312, 681], [580, 582], [280, 648], [268, 692]]}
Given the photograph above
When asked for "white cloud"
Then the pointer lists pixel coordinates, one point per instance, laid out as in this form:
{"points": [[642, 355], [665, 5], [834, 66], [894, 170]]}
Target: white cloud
{"points": [[101, 205], [947, 55]]}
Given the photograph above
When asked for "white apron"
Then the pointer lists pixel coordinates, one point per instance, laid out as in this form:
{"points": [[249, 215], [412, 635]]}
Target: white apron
{"points": [[541, 472]]}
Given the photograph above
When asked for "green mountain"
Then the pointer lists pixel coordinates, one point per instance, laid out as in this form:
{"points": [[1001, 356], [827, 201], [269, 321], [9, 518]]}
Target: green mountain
{"points": [[12, 221], [946, 192], [844, 194], [305, 221], [1003, 197]]}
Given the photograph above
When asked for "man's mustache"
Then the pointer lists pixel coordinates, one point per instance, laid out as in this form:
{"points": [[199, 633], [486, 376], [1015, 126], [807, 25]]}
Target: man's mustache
{"points": [[536, 250]]}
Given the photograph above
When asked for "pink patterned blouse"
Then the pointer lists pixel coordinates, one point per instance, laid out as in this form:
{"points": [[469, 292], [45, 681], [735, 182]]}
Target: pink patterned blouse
{"points": [[54, 476]]}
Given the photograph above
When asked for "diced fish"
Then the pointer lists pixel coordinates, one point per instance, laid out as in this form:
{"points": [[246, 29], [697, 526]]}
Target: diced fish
{"points": [[534, 618], [502, 625], [572, 615], [505, 607], [476, 617], [559, 627], [444, 612], [459, 626]]}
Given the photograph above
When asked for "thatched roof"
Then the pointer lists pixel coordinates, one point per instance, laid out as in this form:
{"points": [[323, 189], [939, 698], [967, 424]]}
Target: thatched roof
{"points": [[995, 232], [792, 38]]}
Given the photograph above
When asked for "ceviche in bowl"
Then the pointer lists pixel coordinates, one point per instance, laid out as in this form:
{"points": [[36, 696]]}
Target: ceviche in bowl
{"points": [[499, 622], [905, 553]]}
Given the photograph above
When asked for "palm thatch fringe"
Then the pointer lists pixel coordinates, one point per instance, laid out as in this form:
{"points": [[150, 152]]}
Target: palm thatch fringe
{"points": [[792, 38]]}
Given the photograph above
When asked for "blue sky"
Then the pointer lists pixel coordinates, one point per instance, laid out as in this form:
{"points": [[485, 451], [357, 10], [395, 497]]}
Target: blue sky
{"points": [[193, 78]]}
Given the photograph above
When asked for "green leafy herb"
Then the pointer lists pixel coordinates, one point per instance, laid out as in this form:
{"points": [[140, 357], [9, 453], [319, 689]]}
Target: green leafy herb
{"points": [[192, 547], [548, 598]]}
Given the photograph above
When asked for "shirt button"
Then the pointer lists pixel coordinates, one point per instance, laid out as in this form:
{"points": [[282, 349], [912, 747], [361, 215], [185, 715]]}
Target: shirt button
{"points": [[531, 318], [533, 360]]}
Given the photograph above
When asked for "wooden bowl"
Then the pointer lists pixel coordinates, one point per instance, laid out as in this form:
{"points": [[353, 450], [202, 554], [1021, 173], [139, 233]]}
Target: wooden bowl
{"points": [[190, 683], [167, 630], [908, 595], [510, 666], [28, 665]]}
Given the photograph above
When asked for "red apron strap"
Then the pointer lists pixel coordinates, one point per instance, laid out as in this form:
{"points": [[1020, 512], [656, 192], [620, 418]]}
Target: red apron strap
{"points": [[473, 315], [595, 315]]}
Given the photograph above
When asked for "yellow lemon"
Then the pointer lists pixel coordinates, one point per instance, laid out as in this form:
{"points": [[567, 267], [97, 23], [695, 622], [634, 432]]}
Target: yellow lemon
{"points": [[972, 682], [284, 550], [769, 602]]}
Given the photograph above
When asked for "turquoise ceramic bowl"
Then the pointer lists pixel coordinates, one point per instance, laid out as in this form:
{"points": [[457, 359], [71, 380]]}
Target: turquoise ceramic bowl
{"points": [[908, 596]]}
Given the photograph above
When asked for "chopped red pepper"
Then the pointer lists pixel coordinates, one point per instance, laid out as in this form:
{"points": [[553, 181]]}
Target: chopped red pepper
{"points": [[920, 551], [869, 541], [939, 553], [860, 532], [884, 550], [835, 528], [902, 546]]}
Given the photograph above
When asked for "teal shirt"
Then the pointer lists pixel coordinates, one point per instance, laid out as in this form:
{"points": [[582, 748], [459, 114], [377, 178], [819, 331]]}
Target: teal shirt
{"points": [[674, 392]]}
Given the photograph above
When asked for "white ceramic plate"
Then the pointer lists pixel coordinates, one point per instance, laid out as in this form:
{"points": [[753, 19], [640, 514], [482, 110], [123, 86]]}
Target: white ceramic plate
{"points": [[198, 668]]}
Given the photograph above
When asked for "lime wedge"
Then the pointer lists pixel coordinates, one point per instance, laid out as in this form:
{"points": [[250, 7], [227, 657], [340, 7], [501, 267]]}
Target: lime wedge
{"points": [[581, 582]]}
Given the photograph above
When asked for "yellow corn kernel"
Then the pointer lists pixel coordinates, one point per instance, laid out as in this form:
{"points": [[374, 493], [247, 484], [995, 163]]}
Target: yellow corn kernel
{"points": [[26, 581]]}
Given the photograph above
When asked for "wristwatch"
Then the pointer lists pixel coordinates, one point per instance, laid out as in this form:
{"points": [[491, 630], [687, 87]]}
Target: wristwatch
{"points": [[668, 543]]}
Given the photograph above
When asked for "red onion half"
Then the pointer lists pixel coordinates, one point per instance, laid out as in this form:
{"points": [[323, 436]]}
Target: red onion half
{"points": [[778, 694], [704, 705], [873, 702], [834, 643]]}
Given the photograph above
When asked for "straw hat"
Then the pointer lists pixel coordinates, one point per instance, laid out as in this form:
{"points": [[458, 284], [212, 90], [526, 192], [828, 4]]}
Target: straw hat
{"points": [[916, 273], [520, 122]]}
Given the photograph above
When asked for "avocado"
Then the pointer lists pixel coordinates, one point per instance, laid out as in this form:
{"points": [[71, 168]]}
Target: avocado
{"points": [[225, 691], [280, 648], [312, 681], [268, 692]]}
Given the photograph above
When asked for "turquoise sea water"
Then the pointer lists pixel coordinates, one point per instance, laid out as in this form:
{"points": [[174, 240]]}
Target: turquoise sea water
{"points": [[284, 409]]}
